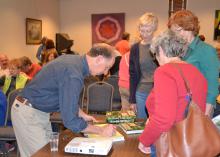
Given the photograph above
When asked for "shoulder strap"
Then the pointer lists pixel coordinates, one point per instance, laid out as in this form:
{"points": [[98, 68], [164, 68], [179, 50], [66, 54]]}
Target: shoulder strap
{"points": [[189, 93], [186, 83]]}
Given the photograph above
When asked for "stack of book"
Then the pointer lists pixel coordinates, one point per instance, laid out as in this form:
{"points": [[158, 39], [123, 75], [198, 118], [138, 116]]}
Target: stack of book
{"points": [[132, 128], [116, 117]]}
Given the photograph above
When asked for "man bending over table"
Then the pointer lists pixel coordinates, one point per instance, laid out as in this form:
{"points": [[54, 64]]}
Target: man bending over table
{"points": [[56, 88]]}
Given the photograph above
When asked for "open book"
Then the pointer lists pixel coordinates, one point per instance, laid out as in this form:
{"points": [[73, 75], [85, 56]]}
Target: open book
{"points": [[117, 137], [133, 128]]}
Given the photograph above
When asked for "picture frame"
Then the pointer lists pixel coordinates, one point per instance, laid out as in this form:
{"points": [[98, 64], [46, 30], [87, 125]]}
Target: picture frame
{"points": [[33, 31], [107, 27], [217, 25]]}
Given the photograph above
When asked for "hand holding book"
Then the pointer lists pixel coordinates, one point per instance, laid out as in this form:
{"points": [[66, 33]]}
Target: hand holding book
{"points": [[108, 130]]}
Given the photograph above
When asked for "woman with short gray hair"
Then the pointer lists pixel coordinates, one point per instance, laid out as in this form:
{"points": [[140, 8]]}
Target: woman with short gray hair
{"points": [[167, 101], [172, 45]]}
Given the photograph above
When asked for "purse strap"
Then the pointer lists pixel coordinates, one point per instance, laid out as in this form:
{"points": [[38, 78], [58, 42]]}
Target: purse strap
{"points": [[189, 93]]}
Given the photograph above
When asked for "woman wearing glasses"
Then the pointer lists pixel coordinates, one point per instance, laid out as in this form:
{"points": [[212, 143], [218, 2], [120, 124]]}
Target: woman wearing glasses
{"points": [[142, 65]]}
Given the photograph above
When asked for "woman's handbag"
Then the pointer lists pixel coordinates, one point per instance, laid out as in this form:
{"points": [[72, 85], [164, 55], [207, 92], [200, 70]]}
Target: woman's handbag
{"points": [[195, 136]]}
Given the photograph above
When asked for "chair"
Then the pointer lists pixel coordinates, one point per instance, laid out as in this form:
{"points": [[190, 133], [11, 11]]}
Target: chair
{"points": [[99, 97], [7, 132], [81, 98], [113, 80], [87, 81]]}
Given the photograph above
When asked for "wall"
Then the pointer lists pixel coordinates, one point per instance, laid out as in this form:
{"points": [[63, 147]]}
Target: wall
{"points": [[75, 16], [205, 10], [12, 28]]}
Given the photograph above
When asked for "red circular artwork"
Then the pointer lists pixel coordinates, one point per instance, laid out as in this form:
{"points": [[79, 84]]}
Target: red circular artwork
{"points": [[107, 29]]}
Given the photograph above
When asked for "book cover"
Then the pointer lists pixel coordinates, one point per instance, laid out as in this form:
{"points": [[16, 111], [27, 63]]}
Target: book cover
{"points": [[115, 117], [133, 128], [117, 137]]}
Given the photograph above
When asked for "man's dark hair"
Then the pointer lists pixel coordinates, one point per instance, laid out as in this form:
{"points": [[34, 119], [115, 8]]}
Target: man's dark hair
{"points": [[102, 49], [125, 36]]}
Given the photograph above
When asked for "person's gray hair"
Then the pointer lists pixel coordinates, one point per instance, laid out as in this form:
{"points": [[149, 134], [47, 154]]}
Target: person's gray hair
{"points": [[172, 44]]}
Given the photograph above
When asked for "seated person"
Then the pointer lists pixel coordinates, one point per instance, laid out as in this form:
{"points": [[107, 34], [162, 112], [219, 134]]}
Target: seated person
{"points": [[51, 55], [49, 45], [3, 102], [29, 68], [16, 78], [41, 48], [4, 65]]}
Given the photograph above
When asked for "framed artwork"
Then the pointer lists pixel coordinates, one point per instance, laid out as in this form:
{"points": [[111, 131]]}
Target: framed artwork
{"points": [[33, 31], [175, 5], [217, 25], [107, 28]]}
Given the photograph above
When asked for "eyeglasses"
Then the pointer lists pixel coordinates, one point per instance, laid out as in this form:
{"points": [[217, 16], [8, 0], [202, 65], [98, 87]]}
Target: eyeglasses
{"points": [[146, 29], [176, 28]]}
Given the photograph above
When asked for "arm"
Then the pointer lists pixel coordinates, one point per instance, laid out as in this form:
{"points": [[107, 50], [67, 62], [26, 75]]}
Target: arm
{"points": [[73, 117], [108, 130], [132, 74], [165, 106], [86, 117], [39, 51], [210, 68], [69, 92]]}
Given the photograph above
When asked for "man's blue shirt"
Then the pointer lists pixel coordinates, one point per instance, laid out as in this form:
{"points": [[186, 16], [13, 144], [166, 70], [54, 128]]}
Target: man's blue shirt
{"points": [[56, 88]]}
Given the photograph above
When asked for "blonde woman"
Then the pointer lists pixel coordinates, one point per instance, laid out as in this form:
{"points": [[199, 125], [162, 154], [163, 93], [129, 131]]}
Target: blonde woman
{"points": [[142, 65]]}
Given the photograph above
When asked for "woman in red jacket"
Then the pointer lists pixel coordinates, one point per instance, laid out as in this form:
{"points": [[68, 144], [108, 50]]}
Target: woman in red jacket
{"points": [[167, 100]]}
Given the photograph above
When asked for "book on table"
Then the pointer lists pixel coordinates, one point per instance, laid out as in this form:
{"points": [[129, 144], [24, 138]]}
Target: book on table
{"points": [[117, 137], [133, 128], [116, 117]]}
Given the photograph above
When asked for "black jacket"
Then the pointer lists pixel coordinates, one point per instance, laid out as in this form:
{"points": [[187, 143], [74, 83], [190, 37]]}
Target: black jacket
{"points": [[134, 71]]}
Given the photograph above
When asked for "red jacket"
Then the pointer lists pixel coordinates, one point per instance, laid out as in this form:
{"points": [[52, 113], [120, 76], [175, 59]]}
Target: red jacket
{"points": [[166, 102]]}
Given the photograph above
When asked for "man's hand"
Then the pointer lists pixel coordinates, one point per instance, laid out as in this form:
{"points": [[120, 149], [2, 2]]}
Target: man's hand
{"points": [[89, 118], [108, 130], [142, 148], [86, 117], [209, 110], [133, 107]]}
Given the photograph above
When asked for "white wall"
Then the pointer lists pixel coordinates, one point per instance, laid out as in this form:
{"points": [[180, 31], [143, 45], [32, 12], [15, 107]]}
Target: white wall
{"points": [[75, 16], [12, 28], [205, 10]]}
